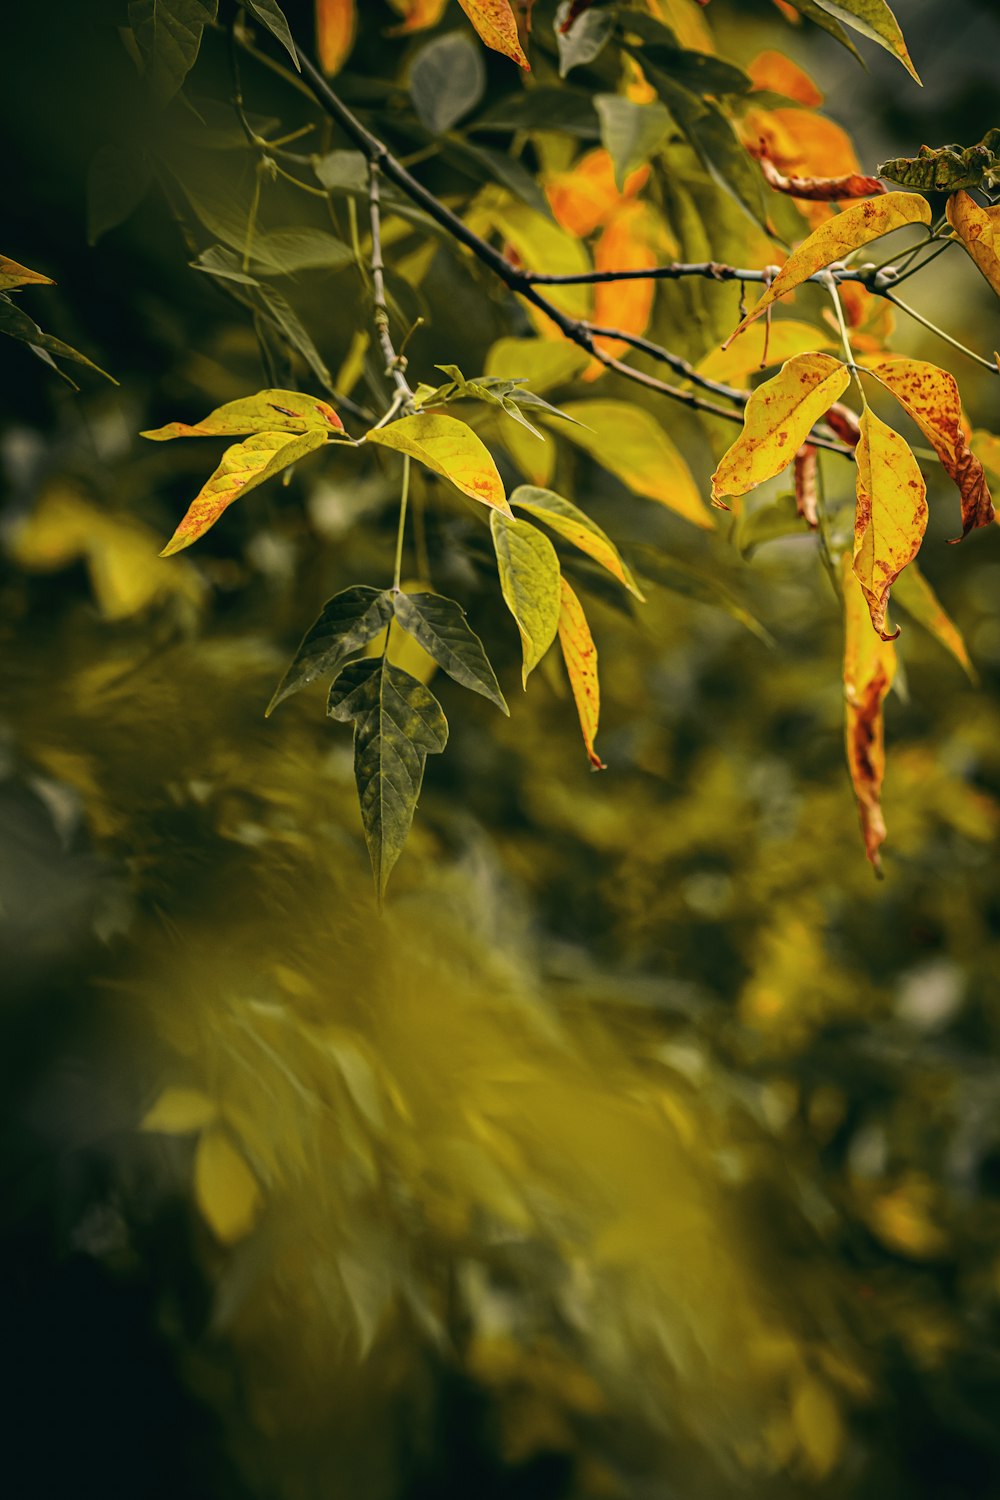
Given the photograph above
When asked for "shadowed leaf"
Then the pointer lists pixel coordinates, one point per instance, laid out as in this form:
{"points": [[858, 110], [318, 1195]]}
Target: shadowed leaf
{"points": [[168, 34], [347, 622], [440, 626]]}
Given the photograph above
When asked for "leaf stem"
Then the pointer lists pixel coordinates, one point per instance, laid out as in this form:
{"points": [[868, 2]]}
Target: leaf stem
{"points": [[403, 499], [845, 337], [918, 317]]}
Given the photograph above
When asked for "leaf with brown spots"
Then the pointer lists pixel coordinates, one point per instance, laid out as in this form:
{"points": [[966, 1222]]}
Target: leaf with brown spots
{"points": [[267, 411], [497, 26], [779, 417], [806, 476], [580, 656], [929, 395], [817, 189], [869, 667], [891, 515], [979, 230], [450, 448]]}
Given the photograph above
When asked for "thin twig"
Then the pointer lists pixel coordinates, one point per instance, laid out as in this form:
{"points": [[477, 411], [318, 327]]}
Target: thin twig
{"points": [[394, 364]]}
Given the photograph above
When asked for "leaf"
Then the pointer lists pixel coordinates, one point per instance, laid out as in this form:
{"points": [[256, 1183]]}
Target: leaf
{"points": [[529, 580], [543, 363], [587, 195], [179, 1111], [397, 723], [282, 252], [634, 239], [495, 22], [440, 626], [225, 1189], [168, 36], [12, 275], [273, 17], [777, 74], [266, 411], [945, 170], [930, 397], [243, 467], [336, 23], [779, 417], [447, 79], [761, 347], [117, 181], [768, 522], [891, 515], [814, 12], [575, 526], [818, 189], [584, 38], [17, 325], [450, 448], [979, 230], [869, 668], [417, 15], [631, 133], [629, 442], [837, 237], [580, 656], [915, 594], [345, 625], [873, 19]]}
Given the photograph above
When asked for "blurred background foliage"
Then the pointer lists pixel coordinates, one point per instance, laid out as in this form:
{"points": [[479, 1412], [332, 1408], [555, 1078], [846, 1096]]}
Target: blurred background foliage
{"points": [[646, 1145]]}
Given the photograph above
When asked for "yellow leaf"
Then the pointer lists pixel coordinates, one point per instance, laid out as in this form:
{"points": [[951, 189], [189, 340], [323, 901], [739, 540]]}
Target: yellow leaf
{"points": [[759, 347], [336, 22], [869, 667], [779, 75], [580, 656], [497, 26], [818, 1426], [915, 594], [417, 15], [979, 230], [929, 395], [267, 411], [243, 467], [539, 245], [12, 274], [576, 527], [779, 417], [891, 515], [685, 19], [628, 441], [587, 195], [529, 580], [179, 1112], [837, 237], [543, 363], [450, 448], [634, 239], [225, 1189]]}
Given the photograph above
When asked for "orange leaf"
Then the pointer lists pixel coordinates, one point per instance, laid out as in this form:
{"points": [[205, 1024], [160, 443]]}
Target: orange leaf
{"points": [[930, 397], [869, 667], [586, 196], [496, 24], [799, 141], [891, 515], [417, 15], [580, 656], [805, 474], [779, 75], [979, 230], [627, 244], [336, 22]]}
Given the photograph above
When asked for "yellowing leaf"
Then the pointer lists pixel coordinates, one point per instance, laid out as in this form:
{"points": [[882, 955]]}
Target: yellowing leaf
{"points": [[529, 580], [979, 230], [875, 20], [576, 527], [580, 656], [417, 15], [497, 26], [760, 347], [225, 1189], [777, 73], [336, 22], [929, 395], [869, 667], [818, 1425], [543, 363], [243, 467], [628, 441], [915, 594], [779, 417], [180, 1112], [450, 448], [587, 195], [12, 274], [633, 240], [837, 237], [539, 245], [685, 19], [891, 515], [267, 411]]}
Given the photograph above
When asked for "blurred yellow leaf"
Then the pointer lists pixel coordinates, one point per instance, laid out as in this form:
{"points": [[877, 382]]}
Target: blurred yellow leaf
{"points": [[759, 347], [818, 1425], [629, 442], [580, 656], [180, 1111], [869, 667], [225, 1189]]}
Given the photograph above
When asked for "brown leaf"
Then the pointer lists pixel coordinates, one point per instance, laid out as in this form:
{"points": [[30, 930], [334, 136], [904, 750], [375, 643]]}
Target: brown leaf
{"points": [[804, 470], [869, 667], [817, 189]]}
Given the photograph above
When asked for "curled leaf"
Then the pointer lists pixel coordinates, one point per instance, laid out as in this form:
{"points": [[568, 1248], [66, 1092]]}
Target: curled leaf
{"points": [[817, 189], [267, 411], [497, 26], [869, 668], [529, 580], [580, 656], [979, 230], [891, 515], [948, 169], [805, 473], [451, 449]]}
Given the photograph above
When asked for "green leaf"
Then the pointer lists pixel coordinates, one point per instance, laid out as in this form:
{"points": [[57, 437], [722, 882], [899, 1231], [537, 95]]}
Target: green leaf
{"points": [[544, 363], [440, 626], [273, 18], [487, 165], [17, 325], [529, 580], [117, 182], [814, 12], [575, 526], [450, 448], [873, 19], [585, 39], [397, 723], [447, 80], [347, 623], [699, 71], [168, 35], [630, 133], [567, 109], [949, 169]]}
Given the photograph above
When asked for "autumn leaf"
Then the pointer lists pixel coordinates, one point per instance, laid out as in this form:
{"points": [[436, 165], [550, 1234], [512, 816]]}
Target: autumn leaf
{"points": [[267, 411], [779, 417], [979, 230], [915, 594], [336, 22], [417, 15], [817, 189], [497, 26], [806, 478], [891, 514], [580, 655], [848, 231], [929, 396], [529, 581], [587, 195], [869, 668], [760, 347], [12, 275], [179, 1111], [629, 442], [225, 1189], [451, 449], [575, 526], [631, 241], [243, 467], [777, 74]]}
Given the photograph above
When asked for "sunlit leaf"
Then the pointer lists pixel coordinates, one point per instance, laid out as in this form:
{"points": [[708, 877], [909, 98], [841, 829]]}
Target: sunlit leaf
{"points": [[497, 26], [336, 23], [225, 1189], [168, 34], [450, 448], [760, 347], [243, 467], [869, 668], [529, 580], [979, 231], [397, 723], [580, 656], [915, 594], [891, 512], [346, 623], [779, 417], [12, 274], [266, 411], [440, 626], [629, 442], [180, 1111], [575, 526]]}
